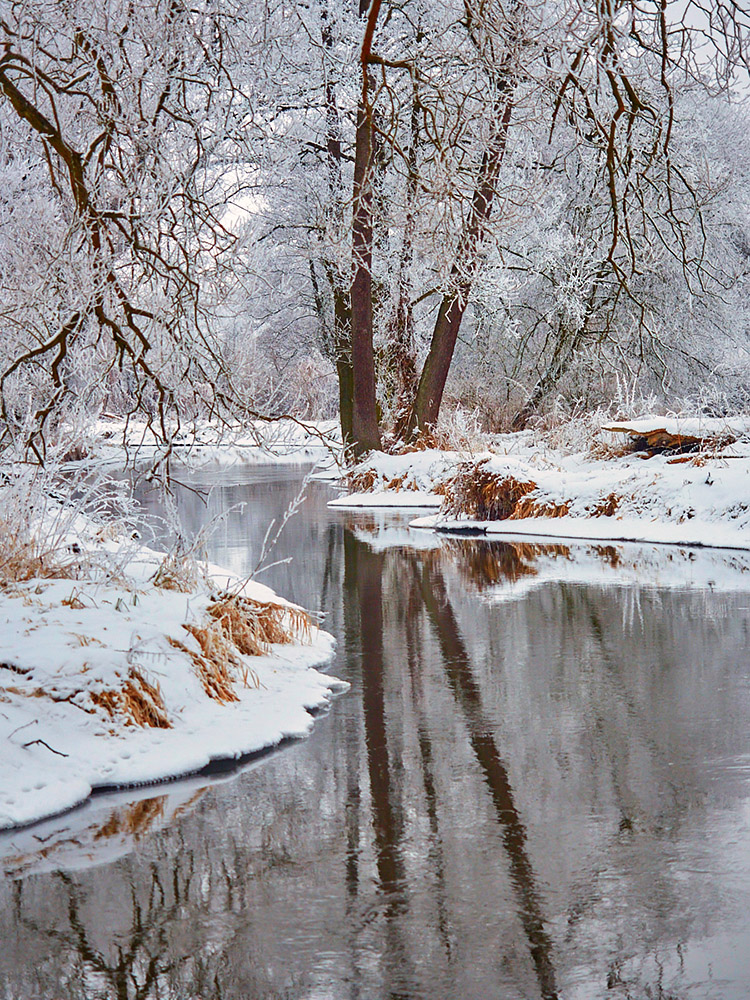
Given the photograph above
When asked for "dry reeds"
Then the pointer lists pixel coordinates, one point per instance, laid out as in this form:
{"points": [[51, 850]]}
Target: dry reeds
{"points": [[239, 626], [253, 626], [531, 507], [477, 493], [26, 557], [361, 480], [178, 569], [139, 700], [215, 666], [607, 506], [660, 441]]}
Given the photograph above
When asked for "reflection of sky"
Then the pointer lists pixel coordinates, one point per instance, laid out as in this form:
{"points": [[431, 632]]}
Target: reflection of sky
{"points": [[617, 717]]}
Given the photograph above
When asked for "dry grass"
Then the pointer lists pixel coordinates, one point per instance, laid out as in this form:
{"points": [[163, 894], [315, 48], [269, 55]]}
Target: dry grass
{"points": [[422, 441], [139, 700], [530, 507], [215, 666], [362, 480], [475, 492], [24, 556], [401, 483], [659, 441], [178, 570], [607, 506], [239, 626], [48, 519], [86, 640], [253, 626]]}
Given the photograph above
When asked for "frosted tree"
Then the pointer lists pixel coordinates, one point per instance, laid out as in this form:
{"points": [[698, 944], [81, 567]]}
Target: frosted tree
{"points": [[117, 125]]}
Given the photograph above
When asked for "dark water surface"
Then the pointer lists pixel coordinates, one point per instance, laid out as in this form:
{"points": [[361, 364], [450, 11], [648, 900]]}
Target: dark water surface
{"points": [[538, 786]]}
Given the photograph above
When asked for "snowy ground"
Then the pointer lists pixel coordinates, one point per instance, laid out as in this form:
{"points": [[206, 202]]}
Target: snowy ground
{"points": [[699, 498], [115, 682], [113, 440]]}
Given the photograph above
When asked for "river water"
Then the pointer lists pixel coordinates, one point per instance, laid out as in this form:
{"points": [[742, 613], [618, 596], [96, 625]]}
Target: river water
{"points": [[537, 786]]}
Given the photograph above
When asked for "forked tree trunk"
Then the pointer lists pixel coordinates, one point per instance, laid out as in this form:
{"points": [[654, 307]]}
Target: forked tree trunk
{"points": [[437, 365]]}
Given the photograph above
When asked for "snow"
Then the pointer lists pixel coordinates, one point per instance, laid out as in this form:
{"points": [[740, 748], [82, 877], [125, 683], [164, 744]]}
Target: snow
{"points": [[112, 440], [701, 499], [64, 644], [701, 427], [388, 498]]}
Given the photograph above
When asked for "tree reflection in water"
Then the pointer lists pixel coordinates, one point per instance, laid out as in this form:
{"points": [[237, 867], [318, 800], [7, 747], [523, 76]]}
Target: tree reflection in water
{"points": [[511, 802]]}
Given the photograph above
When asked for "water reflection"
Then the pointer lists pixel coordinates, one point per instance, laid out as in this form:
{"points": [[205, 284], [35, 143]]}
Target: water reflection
{"points": [[537, 788], [469, 698]]}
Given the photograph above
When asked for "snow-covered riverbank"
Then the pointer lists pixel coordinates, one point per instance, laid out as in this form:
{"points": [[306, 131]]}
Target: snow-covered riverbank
{"points": [[604, 492], [113, 441], [121, 678]]}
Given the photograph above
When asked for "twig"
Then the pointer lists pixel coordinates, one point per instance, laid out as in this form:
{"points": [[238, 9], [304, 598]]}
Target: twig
{"points": [[268, 541], [24, 726], [58, 752]]}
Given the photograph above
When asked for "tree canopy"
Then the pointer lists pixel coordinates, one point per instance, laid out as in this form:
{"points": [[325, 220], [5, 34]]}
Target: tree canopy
{"points": [[218, 208]]}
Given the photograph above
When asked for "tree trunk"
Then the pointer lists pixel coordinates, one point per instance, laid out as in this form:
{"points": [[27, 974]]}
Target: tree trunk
{"points": [[342, 318], [562, 357], [365, 431], [435, 372], [404, 361], [342, 314]]}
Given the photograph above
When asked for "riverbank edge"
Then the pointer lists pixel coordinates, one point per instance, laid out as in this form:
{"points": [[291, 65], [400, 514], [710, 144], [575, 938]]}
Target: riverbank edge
{"points": [[115, 677], [602, 492]]}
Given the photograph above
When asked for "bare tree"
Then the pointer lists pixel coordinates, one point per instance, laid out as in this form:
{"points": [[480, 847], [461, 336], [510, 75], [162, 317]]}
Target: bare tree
{"points": [[129, 115]]}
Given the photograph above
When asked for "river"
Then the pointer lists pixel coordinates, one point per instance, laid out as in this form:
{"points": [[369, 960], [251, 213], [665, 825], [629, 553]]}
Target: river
{"points": [[538, 786]]}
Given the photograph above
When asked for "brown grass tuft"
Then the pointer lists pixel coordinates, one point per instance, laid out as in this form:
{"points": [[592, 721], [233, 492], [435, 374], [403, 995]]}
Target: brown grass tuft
{"points": [[24, 557], [216, 664], [529, 507], [475, 492], [659, 441], [401, 483], [139, 700], [607, 506], [253, 626], [178, 570], [362, 480], [239, 626], [73, 601]]}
